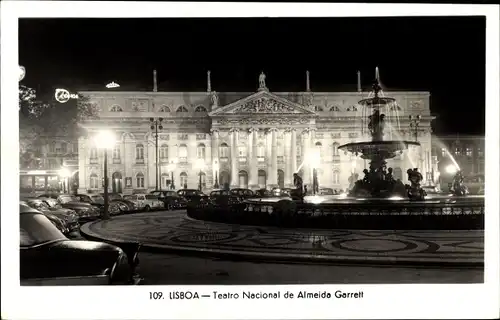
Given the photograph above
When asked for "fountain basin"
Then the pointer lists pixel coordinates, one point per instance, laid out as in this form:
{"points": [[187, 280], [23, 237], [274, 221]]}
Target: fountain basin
{"points": [[439, 213], [383, 149]]}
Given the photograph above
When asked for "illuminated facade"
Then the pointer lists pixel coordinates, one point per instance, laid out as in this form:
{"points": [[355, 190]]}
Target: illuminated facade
{"points": [[253, 139], [465, 151]]}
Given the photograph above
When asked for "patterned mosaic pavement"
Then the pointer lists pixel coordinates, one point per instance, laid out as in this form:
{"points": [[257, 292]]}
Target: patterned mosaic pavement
{"points": [[176, 231]]}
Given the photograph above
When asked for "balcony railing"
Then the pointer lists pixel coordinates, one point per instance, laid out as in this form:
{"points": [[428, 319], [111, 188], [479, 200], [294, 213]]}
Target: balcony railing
{"points": [[94, 160], [183, 160], [139, 161], [261, 159], [117, 161], [224, 159], [242, 159]]}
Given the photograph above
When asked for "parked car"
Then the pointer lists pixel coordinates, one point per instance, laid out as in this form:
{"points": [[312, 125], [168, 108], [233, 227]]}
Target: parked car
{"points": [[170, 198], [192, 195], [68, 216], [55, 220], [326, 192], [263, 193], [47, 257], [85, 211], [98, 201], [145, 202], [242, 194], [223, 197]]}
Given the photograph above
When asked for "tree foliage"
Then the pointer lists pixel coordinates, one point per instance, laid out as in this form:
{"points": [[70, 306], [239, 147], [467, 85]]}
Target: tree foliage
{"points": [[41, 122]]}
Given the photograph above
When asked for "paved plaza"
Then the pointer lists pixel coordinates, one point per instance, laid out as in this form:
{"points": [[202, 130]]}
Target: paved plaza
{"points": [[175, 232]]}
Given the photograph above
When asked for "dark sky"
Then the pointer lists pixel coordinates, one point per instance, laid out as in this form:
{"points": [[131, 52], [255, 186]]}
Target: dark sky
{"points": [[443, 55]]}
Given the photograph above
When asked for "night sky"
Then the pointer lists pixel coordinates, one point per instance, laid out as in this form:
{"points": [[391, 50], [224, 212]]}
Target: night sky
{"points": [[443, 55]]}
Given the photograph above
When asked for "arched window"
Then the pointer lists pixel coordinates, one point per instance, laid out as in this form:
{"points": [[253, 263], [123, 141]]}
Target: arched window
{"points": [[164, 152], [352, 108], [183, 179], [164, 109], [262, 177], [200, 109], [335, 149], [261, 153], [182, 109], [139, 179], [203, 179], [116, 152], [224, 150], [183, 153], [318, 108], [334, 109], [200, 151], [319, 148], [116, 108], [243, 179], [336, 177], [139, 151], [93, 153], [94, 181]]}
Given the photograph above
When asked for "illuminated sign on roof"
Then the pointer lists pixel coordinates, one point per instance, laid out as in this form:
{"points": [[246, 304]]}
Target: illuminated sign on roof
{"points": [[63, 95]]}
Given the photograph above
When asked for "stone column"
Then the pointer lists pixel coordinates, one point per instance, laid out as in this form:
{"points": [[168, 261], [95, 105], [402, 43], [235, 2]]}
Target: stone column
{"points": [[214, 149], [306, 168], [293, 151], [83, 155], [288, 158], [234, 159], [253, 175], [273, 171]]}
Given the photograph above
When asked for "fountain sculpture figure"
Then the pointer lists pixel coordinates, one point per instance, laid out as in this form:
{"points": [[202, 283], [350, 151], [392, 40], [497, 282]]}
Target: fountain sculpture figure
{"points": [[458, 188], [378, 180]]}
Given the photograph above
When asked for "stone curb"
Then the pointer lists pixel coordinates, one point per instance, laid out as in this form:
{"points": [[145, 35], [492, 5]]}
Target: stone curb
{"points": [[292, 258]]}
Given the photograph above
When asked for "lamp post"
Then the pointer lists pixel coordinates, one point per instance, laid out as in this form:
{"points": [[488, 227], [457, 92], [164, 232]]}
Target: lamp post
{"points": [[65, 174], [216, 169], [200, 164], [105, 140], [414, 123], [171, 168], [156, 125]]}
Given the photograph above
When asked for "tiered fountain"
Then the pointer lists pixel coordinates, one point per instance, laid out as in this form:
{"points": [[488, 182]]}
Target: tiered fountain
{"points": [[378, 181]]}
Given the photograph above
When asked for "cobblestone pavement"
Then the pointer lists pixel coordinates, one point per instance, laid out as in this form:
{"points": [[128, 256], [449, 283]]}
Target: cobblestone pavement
{"points": [[175, 231]]}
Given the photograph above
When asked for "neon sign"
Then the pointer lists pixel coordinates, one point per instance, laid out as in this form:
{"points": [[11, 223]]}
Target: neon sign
{"points": [[112, 85], [63, 95]]}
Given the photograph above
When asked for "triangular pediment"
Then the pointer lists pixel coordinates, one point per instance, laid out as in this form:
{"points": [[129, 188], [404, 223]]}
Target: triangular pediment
{"points": [[262, 102]]}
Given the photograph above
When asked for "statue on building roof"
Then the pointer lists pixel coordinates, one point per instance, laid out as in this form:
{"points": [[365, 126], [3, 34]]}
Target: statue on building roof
{"points": [[214, 97], [262, 80]]}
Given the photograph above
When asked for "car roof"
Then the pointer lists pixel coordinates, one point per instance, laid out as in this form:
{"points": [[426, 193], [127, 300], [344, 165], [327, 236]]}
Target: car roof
{"points": [[23, 208]]}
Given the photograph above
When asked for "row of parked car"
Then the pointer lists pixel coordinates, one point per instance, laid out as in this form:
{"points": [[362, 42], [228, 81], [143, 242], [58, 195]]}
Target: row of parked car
{"points": [[50, 254]]}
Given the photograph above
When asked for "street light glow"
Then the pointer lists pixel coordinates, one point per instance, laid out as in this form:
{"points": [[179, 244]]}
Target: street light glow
{"points": [[313, 158], [200, 164], [105, 139], [451, 169], [64, 173]]}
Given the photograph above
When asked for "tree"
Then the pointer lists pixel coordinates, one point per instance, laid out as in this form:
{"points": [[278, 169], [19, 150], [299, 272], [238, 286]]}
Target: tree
{"points": [[41, 122]]}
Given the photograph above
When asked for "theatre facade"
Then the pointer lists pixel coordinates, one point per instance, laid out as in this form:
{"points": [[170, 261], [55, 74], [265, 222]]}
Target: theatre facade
{"points": [[241, 139]]}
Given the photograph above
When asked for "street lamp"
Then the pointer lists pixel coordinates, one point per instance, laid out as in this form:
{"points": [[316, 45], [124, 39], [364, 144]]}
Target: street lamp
{"points": [[216, 169], [200, 164], [171, 168], [65, 174], [414, 123], [156, 125], [105, 140]]}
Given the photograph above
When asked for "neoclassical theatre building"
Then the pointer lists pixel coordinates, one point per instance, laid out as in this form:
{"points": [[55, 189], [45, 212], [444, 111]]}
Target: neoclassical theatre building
{"points": [[241, 139]]}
